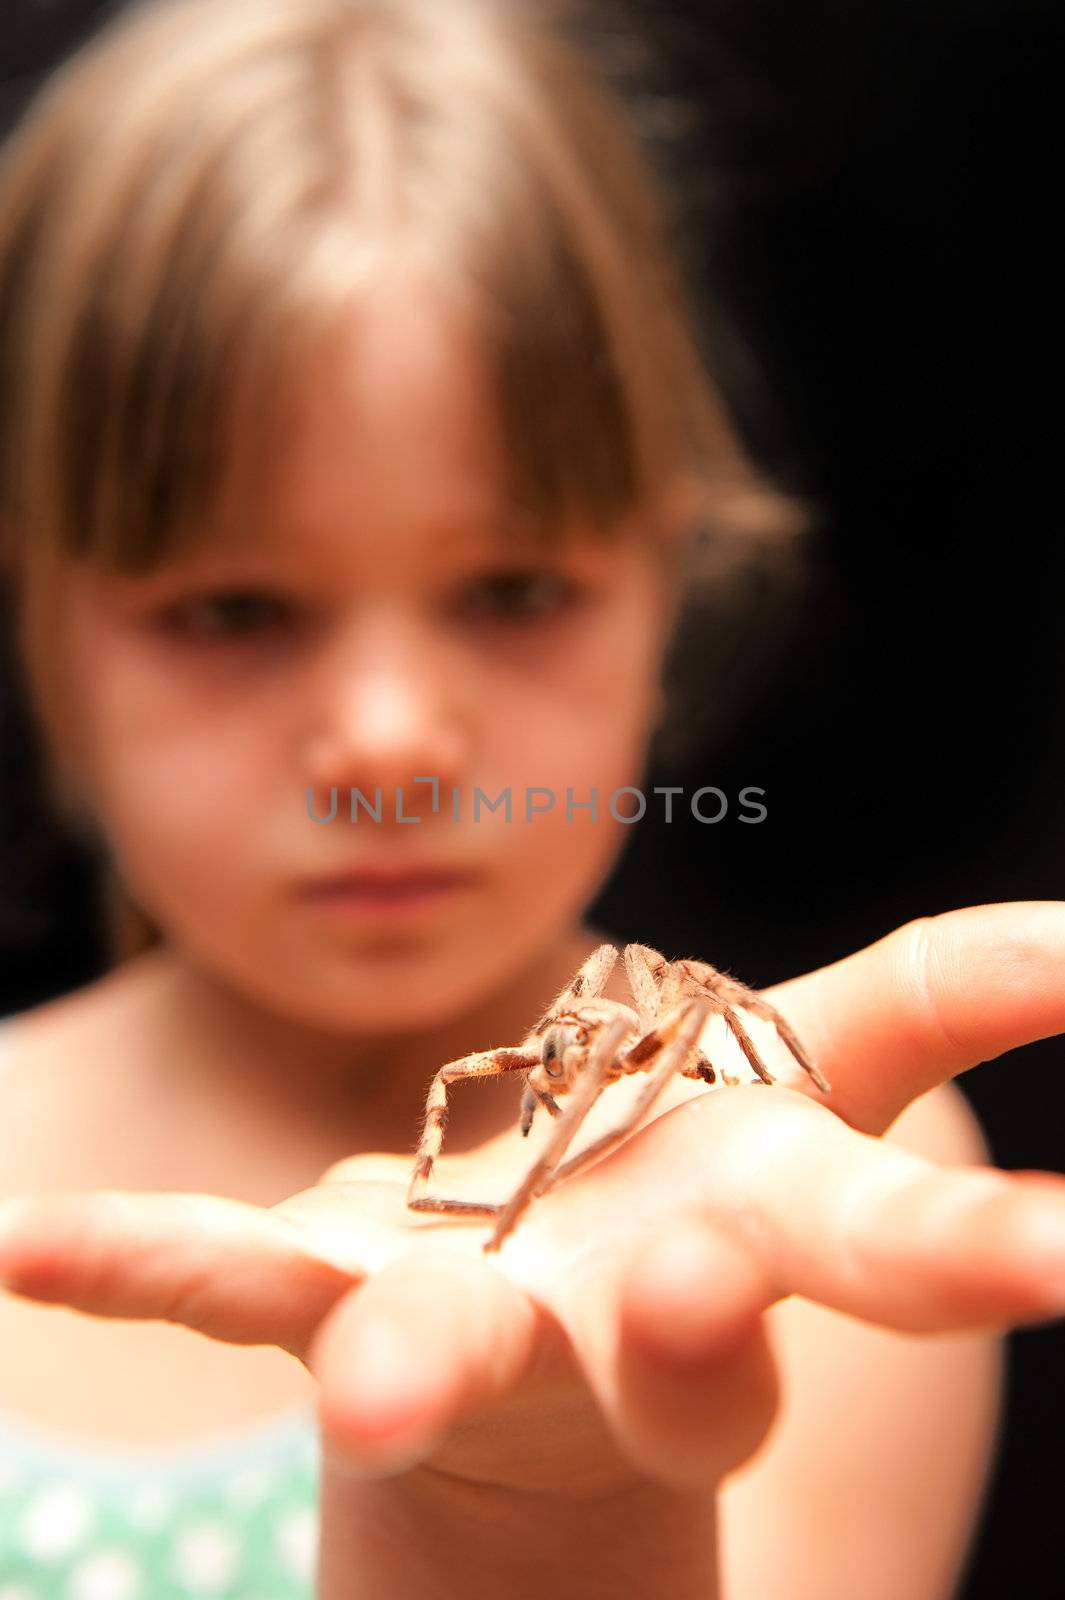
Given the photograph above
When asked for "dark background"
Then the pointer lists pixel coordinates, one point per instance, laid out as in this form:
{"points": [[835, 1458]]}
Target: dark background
{"points": [[881, 247]]}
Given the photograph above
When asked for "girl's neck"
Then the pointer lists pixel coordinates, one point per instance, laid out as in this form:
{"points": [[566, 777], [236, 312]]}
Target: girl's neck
{"points": [[233, 1058]]}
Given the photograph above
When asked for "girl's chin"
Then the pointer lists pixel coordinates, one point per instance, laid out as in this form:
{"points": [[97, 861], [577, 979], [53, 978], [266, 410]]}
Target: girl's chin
{"points": [[395, 997]]}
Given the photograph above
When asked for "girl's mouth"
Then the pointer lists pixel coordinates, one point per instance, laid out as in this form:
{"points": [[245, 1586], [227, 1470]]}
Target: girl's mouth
{"points": [[378, 891]]}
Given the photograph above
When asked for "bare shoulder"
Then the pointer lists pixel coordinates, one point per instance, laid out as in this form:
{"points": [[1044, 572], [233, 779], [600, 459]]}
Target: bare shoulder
{"points": [[877, 1469], [101, 1003], [59, 1073]]}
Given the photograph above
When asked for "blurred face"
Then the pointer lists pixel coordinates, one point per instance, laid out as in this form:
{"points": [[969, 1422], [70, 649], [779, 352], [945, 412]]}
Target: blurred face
{"points": [[360, 620]]}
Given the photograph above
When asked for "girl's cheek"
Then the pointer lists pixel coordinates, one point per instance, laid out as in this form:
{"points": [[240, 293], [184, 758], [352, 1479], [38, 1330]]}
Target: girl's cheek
{"points": [[573, 744]]}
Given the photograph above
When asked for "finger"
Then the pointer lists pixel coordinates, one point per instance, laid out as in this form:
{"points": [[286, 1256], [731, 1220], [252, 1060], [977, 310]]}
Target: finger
{"points": [[866, 1227], [775, 1196], [855, 1222], [684, 1373], [222, 1267], [927, 1002], [427, 1341]]}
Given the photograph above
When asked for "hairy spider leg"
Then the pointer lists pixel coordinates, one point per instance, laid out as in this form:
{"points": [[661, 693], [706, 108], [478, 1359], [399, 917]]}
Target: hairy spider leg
{"points": [[760, 1007], [653, 960], [597, 1073], [531, 1098], [692, 1015], [701, 979], [656, 985], [482, 1064], [643, 982], [720, 986], [589, 982]]}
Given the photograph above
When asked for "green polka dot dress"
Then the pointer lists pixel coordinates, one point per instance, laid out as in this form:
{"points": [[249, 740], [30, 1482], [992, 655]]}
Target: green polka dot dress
{"points": [[236, 1519]]}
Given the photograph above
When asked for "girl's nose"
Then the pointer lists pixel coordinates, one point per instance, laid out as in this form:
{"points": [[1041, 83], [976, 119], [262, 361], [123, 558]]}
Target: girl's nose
{"points": [[389, 706]]}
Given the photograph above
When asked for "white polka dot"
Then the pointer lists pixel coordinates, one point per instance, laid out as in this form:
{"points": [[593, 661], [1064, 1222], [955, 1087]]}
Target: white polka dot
{"points": [[297, 1541], [205, 1556], [106, 1575], [248, 1486], [55, 1522], [16, 1591], [11, 1477], [150, 1506]]}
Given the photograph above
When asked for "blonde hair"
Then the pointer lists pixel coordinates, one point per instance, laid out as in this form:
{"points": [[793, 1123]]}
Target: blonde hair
{"points": [[207, 185]]}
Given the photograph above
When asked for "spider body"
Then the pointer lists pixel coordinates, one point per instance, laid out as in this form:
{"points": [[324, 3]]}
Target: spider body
{"points": [[585, 1040]]}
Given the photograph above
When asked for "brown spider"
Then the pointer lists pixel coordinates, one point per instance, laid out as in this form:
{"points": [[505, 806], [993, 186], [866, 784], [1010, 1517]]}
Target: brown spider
{"points": [[584, 1041]]}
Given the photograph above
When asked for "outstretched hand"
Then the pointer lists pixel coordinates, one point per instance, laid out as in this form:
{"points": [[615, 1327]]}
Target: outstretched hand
{"points": [[619, 1332]]}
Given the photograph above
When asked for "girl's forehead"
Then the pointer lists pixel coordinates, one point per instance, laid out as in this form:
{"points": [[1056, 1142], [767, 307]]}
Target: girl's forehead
{"points": [[394, 407]]}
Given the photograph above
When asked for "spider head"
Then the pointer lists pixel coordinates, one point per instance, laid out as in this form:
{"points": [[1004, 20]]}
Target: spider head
{"points": [[567, 1040], [564, 1044]]}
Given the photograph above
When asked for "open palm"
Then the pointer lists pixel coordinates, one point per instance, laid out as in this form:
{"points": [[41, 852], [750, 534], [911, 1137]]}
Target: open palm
{"points": [[619, 1332]]}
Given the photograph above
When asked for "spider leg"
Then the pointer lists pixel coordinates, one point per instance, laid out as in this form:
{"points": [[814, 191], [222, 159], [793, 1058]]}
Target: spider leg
{"points": [[529, 1102], [586, 1091], [660, 984], [668, 995], [672, 990], [589, 981], [642, 967], [658, 988], [483, 1064], [672, 1059], [653, 961], [743, 1039], [769, 1013], [731, 992], [701, 1067]]}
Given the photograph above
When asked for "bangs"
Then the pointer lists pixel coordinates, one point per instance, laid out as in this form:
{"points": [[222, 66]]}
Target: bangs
{"points": [[213, 186]]}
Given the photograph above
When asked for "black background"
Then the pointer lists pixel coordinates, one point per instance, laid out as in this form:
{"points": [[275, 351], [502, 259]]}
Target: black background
{"points": [[885, 260]]}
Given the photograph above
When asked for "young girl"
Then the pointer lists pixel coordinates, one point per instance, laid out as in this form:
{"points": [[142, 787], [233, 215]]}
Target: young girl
{"points": [[355, 442]]}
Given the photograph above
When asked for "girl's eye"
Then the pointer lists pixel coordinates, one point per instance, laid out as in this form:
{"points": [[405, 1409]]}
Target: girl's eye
{"points": [[232, 614], [519, 595]]}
